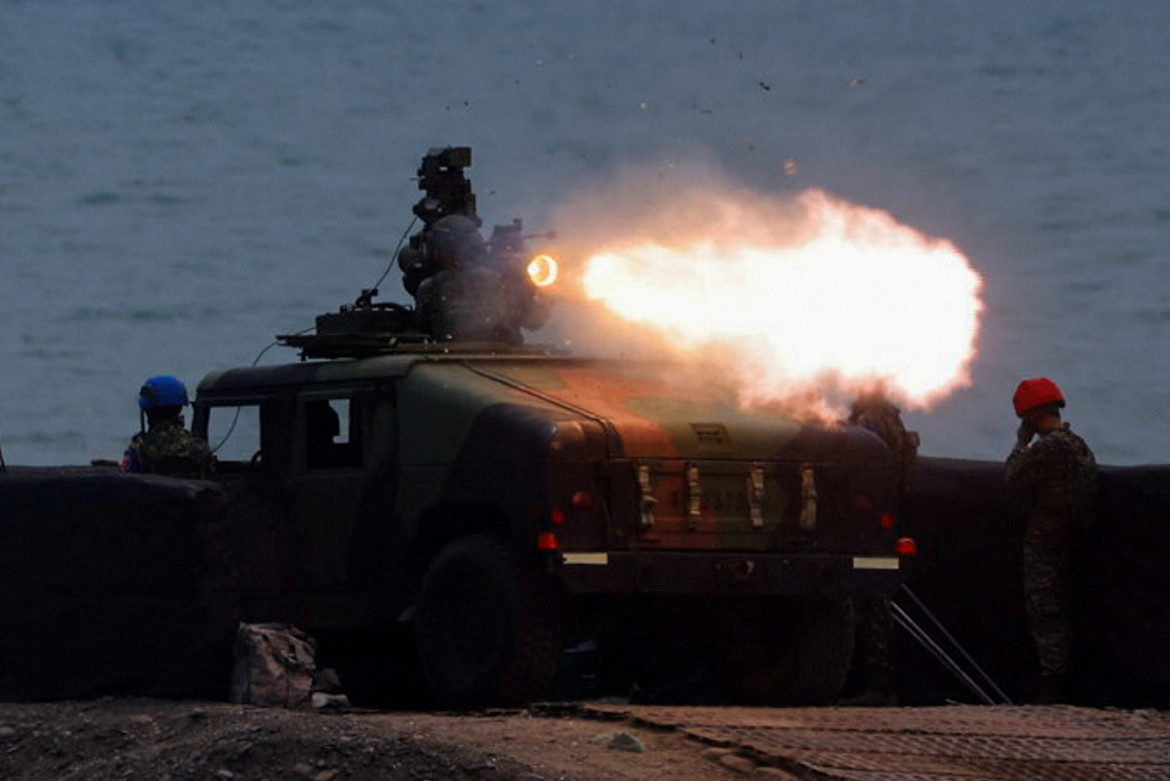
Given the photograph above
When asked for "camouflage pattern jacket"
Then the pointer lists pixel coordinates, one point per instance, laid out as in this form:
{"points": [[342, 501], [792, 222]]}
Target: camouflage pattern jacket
{"points": [[885, 420], [1057, 473], [168, 449]]}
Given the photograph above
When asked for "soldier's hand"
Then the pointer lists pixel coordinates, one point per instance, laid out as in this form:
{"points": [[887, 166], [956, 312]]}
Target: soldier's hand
{"points": [[1025, 433]]}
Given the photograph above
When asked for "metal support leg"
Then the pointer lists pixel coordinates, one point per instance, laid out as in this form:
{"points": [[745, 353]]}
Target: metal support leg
{"points": [[915, 630]]}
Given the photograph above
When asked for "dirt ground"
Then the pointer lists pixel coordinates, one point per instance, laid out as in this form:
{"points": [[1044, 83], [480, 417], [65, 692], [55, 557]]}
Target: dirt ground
{"points": [[175, 741]]}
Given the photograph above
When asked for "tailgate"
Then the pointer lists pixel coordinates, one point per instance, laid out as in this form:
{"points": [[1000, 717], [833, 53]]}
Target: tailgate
{"points": [[739, 505]]}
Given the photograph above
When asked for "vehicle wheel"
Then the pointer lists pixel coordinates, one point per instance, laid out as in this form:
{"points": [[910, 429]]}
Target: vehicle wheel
{"points": [[488, 627], [788, 652]]}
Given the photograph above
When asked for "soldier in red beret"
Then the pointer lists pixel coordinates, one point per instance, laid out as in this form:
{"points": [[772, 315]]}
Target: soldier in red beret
{"points": [[1053, 480]]}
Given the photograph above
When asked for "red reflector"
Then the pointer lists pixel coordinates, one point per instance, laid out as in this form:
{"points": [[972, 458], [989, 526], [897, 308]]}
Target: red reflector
{"points": [[861, 504], [547, 541], [582, 500], [557, 516], [905, 546], [888, 520]]}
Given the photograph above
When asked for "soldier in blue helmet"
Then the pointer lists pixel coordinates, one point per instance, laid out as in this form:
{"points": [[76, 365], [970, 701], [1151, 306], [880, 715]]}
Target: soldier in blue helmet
{"points": [[164, 446]]}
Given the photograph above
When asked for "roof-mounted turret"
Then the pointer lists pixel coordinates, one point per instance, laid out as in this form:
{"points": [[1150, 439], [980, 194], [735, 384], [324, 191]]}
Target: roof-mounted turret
{"points": [[469, 294]]}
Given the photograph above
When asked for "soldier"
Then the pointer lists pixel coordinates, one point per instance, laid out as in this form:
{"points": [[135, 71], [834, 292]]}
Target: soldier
{"points": [[466, 289], [873, 411], [165, 446], [465, 299], [1054, 483], [322, 424]]}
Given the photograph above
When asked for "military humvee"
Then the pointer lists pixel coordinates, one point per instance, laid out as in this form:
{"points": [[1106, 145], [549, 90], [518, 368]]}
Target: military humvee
{"points": [[422, 467], [505, 502]]}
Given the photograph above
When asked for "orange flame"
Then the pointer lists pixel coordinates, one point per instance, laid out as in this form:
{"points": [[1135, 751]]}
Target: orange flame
{"points": [[543, 270], [844, 299]]}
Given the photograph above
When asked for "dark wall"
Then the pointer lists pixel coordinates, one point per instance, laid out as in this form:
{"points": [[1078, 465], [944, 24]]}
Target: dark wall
{"points": [[969, 572], [111, 583], [114, 584]]}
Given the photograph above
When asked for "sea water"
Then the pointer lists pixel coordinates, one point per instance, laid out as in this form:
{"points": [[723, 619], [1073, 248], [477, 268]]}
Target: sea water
{"points": [[180, 181]]}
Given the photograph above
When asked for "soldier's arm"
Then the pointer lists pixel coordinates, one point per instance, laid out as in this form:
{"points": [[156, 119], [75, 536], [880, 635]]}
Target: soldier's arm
{"points": [[130, 459], [1026, 463], [1016, 466], [130, 462]]}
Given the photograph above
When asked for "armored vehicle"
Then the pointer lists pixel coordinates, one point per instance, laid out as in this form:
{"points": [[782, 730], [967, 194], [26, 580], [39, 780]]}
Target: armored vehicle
{"points": [[507, 503], [424, 468]]}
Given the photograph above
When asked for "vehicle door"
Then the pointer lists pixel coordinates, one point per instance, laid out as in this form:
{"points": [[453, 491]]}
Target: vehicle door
{"points": [[326, 478], [247, 437]]}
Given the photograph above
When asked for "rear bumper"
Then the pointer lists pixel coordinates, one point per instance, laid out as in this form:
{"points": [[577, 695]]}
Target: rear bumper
{"points": [[757, 574]]}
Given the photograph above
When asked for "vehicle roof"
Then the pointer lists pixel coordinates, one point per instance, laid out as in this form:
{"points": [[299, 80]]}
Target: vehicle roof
{"points": [[341, 370], [656, 408]]}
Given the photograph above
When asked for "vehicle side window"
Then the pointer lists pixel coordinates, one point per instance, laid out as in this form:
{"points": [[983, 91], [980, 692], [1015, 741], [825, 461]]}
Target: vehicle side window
{"points": [[331, 433], [233, 431]]}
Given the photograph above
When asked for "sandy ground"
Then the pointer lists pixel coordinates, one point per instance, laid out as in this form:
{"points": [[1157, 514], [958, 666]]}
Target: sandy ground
{"points": [[154, 739]]}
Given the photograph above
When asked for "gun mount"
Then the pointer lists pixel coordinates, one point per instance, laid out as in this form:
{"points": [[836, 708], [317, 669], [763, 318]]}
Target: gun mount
{"points": [[466, 291]]}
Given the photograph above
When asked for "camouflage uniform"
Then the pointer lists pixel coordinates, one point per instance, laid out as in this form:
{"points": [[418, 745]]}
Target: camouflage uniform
{"points": [[467, 303], [884, 419], [168, 448], [466, 290], [1054, 483]]}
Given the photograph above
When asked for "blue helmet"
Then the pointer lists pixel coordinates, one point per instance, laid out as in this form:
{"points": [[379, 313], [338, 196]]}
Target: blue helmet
{"points": [[162, 390]]}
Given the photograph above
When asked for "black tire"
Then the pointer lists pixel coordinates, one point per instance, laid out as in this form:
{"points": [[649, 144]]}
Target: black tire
{"points": [[787, 652], [488, 627], [378, 665]]}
